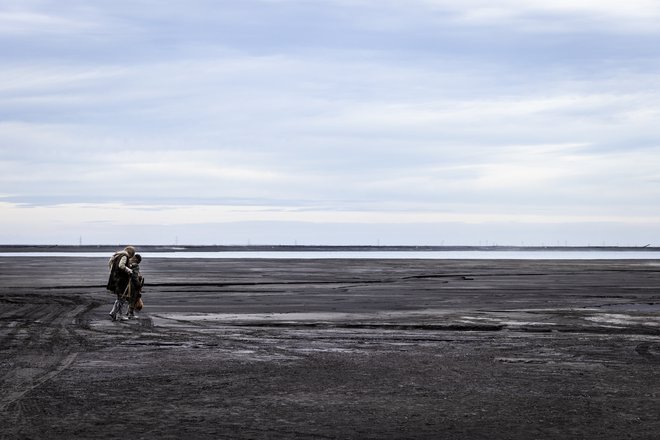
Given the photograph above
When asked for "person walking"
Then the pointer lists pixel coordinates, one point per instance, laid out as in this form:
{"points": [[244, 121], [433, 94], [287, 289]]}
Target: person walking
{"points": [[120, 277], [133, 292]]}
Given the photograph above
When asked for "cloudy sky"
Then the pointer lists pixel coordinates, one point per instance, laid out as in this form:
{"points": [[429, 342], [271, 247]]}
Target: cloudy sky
{"points": [[330, 122]]}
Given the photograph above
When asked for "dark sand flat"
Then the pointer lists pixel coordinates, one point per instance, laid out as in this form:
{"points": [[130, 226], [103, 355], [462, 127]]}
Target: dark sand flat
{"points": [[355, 349]]}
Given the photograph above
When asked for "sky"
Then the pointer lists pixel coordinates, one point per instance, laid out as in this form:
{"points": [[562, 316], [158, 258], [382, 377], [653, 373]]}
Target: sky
{"points": [[392, 122]]}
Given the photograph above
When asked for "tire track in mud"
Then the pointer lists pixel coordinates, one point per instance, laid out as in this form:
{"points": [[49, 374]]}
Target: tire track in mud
{"points": [[42, 341], [12, 397]]}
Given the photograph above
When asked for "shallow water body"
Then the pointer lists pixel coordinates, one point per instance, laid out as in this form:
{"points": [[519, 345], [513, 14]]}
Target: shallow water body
{"points": [[362, 255]]}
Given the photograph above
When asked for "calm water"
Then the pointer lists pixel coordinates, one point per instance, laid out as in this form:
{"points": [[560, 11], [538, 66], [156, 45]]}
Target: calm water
{"points": [[406, 255]]}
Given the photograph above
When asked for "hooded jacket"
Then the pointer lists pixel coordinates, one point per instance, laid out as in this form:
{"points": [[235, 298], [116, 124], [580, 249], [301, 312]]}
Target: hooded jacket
{"points": [[119, 271]]}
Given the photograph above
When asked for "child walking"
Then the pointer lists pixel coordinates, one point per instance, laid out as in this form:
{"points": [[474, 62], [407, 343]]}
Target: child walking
{"points": [[133, 292]]}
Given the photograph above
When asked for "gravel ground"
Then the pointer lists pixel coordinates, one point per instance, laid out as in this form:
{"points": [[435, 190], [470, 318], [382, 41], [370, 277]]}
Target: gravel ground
{"points": [[341, 349]]}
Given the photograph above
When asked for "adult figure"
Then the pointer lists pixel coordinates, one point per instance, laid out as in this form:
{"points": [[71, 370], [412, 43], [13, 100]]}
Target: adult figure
{"points": [[120, 276]]}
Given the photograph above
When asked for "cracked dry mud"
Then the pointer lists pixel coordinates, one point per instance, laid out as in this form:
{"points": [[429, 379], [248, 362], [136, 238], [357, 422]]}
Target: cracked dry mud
{"points": [[338, 349]]}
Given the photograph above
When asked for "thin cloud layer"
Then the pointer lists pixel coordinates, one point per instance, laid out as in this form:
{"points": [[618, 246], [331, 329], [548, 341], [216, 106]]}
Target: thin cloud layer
{"points": [[392, 113]]}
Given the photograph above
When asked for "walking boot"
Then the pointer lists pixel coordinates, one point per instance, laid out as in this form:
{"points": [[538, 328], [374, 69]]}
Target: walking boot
{"points": [[113, 312]]}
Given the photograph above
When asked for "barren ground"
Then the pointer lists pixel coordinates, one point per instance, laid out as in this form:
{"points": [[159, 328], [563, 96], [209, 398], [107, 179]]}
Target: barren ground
{"points": [[341, 349]]}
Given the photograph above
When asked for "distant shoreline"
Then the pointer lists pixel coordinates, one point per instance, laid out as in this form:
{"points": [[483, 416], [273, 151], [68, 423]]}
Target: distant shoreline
{"points": [[313, 248]]}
